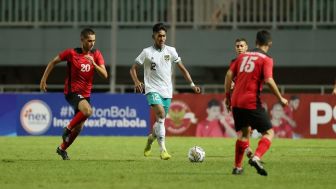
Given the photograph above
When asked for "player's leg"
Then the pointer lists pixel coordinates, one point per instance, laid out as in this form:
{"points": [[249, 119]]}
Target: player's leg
{"points": [[264, 143], [61, 150], [248, 150], [83, 111], [73, 135], [157, 131], [151, 99], [242, 142], [150, 139], [76, 124], [164, 153], [160, 130], [156, 103], [263, 146], [260, 121]]}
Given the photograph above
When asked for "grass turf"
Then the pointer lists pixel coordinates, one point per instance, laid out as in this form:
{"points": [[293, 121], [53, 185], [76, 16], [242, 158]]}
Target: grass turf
{"points": [[118, 162]]}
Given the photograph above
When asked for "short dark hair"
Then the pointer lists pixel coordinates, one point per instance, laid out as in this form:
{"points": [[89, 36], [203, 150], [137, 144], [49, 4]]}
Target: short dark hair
{"points": [[241, 39], [159, 26], [86, 32], [213, 102], [263, 37]]}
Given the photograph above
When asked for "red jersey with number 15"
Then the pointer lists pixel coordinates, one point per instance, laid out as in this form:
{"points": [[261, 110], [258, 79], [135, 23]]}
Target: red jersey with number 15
{"points": [[80, 71], [250, 70]]}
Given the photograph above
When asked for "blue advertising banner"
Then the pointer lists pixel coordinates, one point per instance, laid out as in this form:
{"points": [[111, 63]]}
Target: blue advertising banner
{"points": [[8, 115], [47, 114]]}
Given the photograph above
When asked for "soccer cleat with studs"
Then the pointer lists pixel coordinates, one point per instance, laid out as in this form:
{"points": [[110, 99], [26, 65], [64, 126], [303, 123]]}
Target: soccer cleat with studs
{"points": [[148, 147], [254, 162], [62, 153], [164, 155], [237, 171]]}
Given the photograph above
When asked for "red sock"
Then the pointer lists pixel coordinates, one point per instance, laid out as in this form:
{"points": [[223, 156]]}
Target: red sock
{"points": [[239, 153], [263, 145], [79, 117], [72, 137]]}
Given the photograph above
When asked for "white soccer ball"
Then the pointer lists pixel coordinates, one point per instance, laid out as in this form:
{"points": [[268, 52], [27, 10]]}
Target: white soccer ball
{"points": [[196, 154]]}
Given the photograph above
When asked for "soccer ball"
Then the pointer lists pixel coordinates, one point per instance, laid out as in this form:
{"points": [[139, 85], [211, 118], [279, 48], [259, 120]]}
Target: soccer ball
{"points": [[196, 154]]}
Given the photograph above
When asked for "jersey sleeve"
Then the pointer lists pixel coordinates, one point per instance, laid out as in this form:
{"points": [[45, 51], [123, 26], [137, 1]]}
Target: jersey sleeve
{"points": [[175, 57], [99, 59], [268, 68], [65, 55], [141, 58], [232, 61], [233, 66]]}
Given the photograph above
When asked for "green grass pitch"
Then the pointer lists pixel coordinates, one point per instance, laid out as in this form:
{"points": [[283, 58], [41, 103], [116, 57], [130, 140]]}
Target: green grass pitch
{"points": [[118, 162]]}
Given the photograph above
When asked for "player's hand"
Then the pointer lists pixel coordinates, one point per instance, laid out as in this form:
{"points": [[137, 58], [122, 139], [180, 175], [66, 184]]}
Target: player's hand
{"points": [[196, 89], [232, 85], [228, 104], [139, 87], [90, 58], [284, 101], [43, 86]]}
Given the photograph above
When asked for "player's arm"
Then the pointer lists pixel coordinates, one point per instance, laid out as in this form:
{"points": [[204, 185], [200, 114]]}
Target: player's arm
{"points": [[227, 89], [187, 76], [101, 69], [47, 71], [268, 75], [134, 74], [272, 85]]}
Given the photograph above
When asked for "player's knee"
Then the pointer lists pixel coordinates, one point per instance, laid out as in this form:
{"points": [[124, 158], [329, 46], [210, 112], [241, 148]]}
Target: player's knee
{"points": [[161, 115], [269, 134], [87, 112], [245, 132]]}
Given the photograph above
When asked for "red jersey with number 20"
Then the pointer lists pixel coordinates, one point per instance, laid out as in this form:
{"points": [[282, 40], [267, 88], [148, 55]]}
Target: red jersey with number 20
{"points": [[250, 70], [80, 71]]}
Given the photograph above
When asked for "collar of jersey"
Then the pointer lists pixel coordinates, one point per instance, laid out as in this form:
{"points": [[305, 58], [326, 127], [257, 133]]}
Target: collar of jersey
{"points": [[160, 50], [260, 51]]}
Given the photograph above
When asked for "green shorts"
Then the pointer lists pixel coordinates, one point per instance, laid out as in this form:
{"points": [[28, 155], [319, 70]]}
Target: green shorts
{"points": [[156, 98]]}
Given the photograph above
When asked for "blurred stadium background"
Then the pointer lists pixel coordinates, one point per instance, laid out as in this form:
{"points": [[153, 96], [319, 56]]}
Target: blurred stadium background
{"points": [[203, 31]]}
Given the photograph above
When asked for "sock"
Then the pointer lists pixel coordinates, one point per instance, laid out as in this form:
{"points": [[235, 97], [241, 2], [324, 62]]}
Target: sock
{"points": [[79, 117], [160, 132], [150, 139], [73, 135], [154, 131], [263, 145], [66, 134], [241, 146]]}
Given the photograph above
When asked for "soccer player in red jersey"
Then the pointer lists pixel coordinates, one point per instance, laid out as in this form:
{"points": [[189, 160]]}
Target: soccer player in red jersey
{"points": [[81, 64], [241, 46], [251, 70]]}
